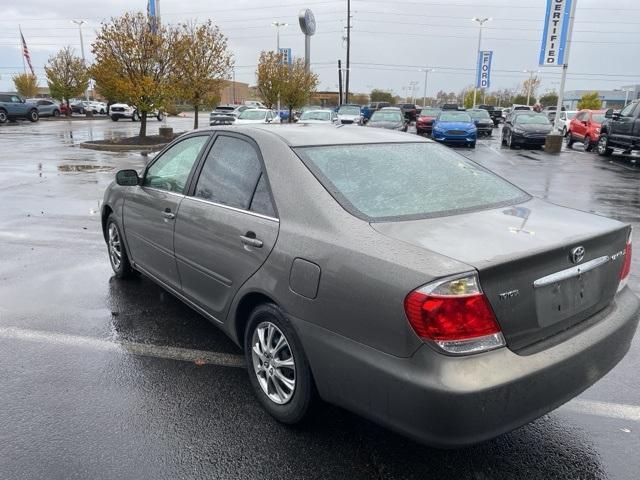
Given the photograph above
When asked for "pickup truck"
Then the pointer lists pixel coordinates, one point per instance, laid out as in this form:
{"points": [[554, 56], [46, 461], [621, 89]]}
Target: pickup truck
{"points": [[620, 130], [495, 114], [13, 107]]}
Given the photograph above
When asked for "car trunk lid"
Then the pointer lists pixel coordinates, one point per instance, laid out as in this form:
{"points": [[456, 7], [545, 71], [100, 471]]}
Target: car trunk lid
{"points": [[523, 255]]}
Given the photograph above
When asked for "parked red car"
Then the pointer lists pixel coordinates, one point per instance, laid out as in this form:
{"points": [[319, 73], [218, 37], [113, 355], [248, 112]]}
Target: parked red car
{"points": [[585, 128], [424, 123]]}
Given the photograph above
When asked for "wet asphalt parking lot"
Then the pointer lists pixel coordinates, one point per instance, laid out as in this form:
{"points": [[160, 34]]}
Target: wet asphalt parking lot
{"points": [[101, 378]]}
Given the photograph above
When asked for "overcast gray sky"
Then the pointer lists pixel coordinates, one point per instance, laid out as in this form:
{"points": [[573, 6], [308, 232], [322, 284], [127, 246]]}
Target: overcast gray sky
{"points": [[391, 39]]}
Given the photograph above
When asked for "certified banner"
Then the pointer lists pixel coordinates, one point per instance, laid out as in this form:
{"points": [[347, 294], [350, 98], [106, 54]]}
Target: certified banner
{"points": [[554, 36], [483, 80]]}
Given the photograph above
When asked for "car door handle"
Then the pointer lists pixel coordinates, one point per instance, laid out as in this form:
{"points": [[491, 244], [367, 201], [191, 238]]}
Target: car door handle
{"points": [[251, 240], [167, 213]]}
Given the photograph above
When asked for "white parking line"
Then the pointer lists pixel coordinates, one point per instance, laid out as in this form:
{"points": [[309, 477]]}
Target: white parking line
{"points": [[585, 407], [604, 409], [134, 348]]}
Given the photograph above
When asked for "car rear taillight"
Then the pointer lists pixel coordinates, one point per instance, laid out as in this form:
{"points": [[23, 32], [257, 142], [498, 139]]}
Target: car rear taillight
{"points": [[455, 315], [626, 264]]}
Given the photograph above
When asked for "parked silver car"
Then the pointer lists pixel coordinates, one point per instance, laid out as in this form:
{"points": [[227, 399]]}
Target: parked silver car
{"points": [[381, 271], [46, 107]]}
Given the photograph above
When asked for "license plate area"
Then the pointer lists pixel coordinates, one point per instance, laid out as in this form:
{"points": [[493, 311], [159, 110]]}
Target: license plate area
{"points": [[565, 298]]}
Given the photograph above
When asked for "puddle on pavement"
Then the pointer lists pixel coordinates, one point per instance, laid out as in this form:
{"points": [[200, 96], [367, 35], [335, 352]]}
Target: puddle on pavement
{"points": [[84, 168]]}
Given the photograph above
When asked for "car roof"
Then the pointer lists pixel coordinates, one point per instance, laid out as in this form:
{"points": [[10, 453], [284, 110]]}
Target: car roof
{"points": [[298, 135]]}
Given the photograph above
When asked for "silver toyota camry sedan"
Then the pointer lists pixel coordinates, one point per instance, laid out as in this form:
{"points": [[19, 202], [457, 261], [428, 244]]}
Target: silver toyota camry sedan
{"points": [[380, 272]]}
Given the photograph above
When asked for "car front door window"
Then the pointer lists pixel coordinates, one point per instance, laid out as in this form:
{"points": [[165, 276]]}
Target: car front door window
{"points": [[627, 111], [171, 171]]}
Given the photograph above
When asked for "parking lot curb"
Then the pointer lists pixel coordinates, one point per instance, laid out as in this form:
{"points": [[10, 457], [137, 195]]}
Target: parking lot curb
{"points": [[122, 148]]}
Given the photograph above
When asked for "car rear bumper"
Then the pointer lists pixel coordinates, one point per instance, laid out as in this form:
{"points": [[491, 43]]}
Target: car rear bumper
{"points": [[449, 401]]}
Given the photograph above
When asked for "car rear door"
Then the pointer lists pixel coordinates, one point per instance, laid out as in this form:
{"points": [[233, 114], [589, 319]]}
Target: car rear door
{"points": [[150, 210], [227, 225]]}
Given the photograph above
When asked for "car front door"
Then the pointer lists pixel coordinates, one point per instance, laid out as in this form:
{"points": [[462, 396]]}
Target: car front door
{"points": [[150, 209], [15, 107], [622, 128], [578, 126], [227, 224]]}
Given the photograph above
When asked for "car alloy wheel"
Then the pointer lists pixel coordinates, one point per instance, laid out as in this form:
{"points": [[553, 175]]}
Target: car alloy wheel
{"points": [[603, 146], [56, 113], [273, 363], [115, 247]]}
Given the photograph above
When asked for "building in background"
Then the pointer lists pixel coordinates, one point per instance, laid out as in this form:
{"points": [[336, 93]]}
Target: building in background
{"points": [[234, 92], [610, 98]]}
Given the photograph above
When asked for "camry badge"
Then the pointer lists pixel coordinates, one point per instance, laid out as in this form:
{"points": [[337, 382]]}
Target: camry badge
{"points": [[577, 254]]}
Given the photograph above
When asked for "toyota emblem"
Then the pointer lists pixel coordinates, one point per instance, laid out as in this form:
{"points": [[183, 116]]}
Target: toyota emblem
{"points": [[577, 254]]}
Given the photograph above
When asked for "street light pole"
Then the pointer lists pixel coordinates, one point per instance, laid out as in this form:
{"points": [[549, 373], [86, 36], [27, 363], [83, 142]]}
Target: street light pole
{"points": [[278, 25], [79, 23], [480, 21]]}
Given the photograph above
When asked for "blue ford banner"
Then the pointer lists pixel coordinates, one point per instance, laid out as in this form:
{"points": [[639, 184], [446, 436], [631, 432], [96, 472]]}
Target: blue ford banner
{"points": [[484, 69], [554, 36]]}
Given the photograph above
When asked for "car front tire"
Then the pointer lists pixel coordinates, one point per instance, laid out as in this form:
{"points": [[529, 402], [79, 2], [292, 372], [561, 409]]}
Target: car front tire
{"points": [[160, 116], [114, 118], [135, 117], [56, 113], [603, 146], [3, 116], [33, 116], [278, 368], [117, 252]]}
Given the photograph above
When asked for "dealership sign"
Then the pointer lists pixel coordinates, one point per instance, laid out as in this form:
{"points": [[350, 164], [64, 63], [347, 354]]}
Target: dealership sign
{"points": [[483, 79], [554, 36]]}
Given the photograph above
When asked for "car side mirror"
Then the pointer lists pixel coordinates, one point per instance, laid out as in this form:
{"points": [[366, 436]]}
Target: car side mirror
{"points": [[127, 178]]}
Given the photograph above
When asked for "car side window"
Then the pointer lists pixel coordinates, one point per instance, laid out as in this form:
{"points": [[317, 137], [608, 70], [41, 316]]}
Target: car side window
{"points": [[15, 99], [230, 173], [261, 201], [627, 111], [580, 117], [171, 171]]}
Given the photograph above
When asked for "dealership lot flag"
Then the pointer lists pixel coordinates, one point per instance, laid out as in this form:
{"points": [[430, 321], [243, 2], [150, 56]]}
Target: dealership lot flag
{"points": [[25, 53], [555, 33], [484, 69]]}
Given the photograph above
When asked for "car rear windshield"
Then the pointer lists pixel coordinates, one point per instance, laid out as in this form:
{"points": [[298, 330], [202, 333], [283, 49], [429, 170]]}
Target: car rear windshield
{"points": [[406, 181], [447, 116], [533, 118], [253, 115], [429, 112], [386, 116], [316, 115]]}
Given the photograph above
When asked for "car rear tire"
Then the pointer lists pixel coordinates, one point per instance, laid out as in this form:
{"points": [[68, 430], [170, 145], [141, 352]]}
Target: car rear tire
{"points": [[510, 142], [160, 116], [603, 146], [33, 116], [472, 145], [278, 368], [56, 113], [3, 116], [114, 118], [117, 252], [564, 131], [135, 117], [588, 144]]}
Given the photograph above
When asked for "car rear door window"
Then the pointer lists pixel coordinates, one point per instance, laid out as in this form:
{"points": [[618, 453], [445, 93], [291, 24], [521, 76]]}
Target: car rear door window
{"points": [[403, 181], [230, 173], [171, 170]]}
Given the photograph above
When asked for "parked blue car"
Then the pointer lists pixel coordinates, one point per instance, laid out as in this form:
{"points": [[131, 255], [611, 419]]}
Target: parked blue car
{"points": [[455, 127]]}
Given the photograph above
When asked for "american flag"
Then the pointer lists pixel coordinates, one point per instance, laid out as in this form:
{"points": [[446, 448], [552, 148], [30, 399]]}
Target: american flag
{"points": [[25, 52]]}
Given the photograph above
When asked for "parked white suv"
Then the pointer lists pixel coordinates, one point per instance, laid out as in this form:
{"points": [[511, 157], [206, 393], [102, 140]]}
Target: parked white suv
{"points": [[122, 110]]}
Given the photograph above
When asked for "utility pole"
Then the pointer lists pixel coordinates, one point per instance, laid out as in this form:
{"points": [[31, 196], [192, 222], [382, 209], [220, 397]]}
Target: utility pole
{"points": [[480, 21], [346, 90], [79, 23], [426, 78], [529, 85], [277, 25], [339, 82]]}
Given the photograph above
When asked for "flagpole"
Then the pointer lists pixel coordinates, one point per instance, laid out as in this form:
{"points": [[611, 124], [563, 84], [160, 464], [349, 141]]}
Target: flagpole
{"points": [[24, 65]]}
